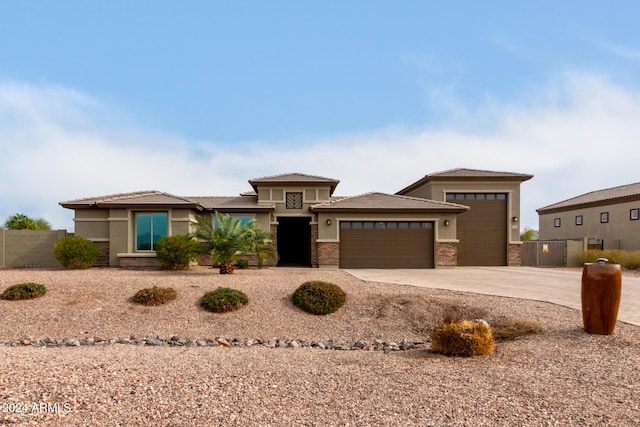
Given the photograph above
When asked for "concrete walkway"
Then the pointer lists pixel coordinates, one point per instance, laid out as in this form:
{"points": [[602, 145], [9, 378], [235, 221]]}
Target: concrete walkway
{"points": [[541, 284]]}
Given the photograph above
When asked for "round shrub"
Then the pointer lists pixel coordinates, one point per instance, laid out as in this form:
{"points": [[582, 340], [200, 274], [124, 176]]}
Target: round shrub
{"points": [[317, 297], [177, 252], [155, 296], [222, 300], [24, 291], [76, 252], [462, 338]]}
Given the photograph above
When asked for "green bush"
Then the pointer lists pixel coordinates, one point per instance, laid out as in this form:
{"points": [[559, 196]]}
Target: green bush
{"points": [[319, 297], [24, 291], [462, 338], [222, 300], [242, 263], [76, 252], [155, 296], [177, 252]]}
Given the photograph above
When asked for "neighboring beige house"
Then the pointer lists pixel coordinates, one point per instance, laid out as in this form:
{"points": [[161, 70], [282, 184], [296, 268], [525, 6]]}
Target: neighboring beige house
{"points": [[603, 219], [420, 228]]}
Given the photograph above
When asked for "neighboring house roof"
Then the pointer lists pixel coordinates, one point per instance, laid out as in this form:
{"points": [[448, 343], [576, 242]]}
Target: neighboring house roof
{"points": [[608, 196], [463, 174], [294, 178], [138, 198], [382, 202]]}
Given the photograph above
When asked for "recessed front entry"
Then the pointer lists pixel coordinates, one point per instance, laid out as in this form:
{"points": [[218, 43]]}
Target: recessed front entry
{"points": [[294, 241]]}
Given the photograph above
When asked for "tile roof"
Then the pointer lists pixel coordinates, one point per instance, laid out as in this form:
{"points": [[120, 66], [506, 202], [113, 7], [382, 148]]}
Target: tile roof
{"points": [[608, 196], [478, 173], [149, 197], [245, 203], [467, 175], [388, 202], [294, 178]]}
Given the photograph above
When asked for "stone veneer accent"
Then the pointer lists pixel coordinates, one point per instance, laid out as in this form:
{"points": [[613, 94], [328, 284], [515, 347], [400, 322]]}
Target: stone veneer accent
{"points": [[103, 254], [446, 254], [147, 262], [328, 254], [314, 245], [515, 254]]}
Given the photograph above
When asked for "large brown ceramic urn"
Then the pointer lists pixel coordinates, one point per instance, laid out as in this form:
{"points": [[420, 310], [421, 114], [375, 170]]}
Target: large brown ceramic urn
{"points": [[601, 289]]}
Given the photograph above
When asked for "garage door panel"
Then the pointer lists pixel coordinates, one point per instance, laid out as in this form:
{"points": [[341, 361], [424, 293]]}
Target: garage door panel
{"points": [[386, 247], [482, 231]]}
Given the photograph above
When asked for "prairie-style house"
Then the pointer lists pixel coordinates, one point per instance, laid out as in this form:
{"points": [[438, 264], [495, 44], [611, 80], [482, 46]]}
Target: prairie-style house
{"points": [[455, 217]]}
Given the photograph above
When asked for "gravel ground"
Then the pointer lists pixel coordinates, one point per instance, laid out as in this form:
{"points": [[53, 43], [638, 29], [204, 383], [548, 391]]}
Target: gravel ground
{"points": [[560, 377]]}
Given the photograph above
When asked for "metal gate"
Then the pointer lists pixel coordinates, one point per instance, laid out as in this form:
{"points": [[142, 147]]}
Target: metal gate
{"points": [[544, 253]]}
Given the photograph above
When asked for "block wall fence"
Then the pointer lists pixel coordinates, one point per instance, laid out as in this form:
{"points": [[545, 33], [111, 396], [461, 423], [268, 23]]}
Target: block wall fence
{"points": [[29, 248]]}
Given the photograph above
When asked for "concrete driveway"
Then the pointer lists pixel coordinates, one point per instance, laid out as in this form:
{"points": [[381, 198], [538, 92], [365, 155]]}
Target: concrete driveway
{"points": [[541, 284]]}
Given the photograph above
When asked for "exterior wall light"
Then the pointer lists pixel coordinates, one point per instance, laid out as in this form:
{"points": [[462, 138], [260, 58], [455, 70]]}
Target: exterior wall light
{"points": [[446, 222], [515, 219], [328, 222]]}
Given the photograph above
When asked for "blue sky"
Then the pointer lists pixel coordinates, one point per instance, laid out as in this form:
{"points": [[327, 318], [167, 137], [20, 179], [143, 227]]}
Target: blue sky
{"points": [[195, 98]]}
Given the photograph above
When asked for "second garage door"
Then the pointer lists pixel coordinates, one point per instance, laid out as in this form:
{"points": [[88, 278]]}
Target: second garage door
{"points": [[386, 244]]}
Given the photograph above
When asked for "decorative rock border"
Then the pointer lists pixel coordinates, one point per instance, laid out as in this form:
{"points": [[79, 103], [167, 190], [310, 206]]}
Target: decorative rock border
{"points": [[175, 341]]}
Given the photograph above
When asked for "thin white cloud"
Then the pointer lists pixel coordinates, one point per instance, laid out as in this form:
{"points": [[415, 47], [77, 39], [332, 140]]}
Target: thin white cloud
{"points": [[621, 51], [575, 134]]}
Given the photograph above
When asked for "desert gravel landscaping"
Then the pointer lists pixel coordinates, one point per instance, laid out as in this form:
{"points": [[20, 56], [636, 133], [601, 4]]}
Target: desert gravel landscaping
{"points": [[84, 354]]}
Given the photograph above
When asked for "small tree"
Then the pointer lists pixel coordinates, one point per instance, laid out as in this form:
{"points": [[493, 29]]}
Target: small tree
{"points": [[528, 234], [224, 241], [260, 247], [23, 222], [229, 238]]}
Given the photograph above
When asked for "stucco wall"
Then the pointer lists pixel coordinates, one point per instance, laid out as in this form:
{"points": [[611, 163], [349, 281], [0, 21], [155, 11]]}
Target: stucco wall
{"points": [[29, 248], [619, 233]]}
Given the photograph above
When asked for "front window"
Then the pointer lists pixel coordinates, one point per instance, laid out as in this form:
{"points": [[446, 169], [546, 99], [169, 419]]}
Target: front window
{"points": [[150, 227], [604, 217], [244, 219], [556, 222], [578, 219]]}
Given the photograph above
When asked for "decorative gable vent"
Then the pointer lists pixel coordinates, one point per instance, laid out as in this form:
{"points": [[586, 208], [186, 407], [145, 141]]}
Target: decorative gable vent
{"points": [[294, 200]]}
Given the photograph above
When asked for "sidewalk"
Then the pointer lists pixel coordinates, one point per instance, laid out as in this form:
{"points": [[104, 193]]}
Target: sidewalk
{"points": [[541, 284]]}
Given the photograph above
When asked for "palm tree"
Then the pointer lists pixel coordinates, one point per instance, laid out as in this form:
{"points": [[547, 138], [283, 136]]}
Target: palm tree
{"points": [[260, 247], [23, 222], [224, 241]]}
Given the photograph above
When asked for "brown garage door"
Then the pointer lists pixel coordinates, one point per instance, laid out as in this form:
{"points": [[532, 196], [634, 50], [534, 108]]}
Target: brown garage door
{"points": [[386, 244], [482, 230]]}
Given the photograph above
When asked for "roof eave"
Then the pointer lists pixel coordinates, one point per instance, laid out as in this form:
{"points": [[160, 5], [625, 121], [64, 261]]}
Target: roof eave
{"points": [[390, 210]]}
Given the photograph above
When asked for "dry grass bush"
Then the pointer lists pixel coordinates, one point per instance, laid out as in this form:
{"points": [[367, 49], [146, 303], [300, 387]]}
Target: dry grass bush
{"points": [[154, 296], [420, 313], [512, 329], [630, 260], [455, 312], [462, 338], [24, 291]]}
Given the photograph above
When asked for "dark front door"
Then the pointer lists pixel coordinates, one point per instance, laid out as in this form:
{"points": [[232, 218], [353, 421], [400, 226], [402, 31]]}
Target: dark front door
{"points": [[294, 241]]}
